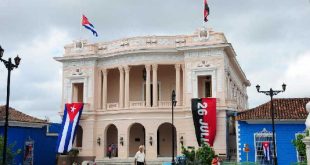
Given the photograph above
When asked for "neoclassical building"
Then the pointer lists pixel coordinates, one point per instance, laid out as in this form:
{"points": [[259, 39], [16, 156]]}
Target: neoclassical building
{"points": [[126, 86]]}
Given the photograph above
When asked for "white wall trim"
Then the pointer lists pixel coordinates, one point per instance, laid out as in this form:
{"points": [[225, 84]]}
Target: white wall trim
{"points": [[238, 142], [204, 72], [24, 124]]}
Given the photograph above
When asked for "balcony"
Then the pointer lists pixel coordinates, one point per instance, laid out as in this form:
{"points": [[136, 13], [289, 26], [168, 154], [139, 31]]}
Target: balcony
{"points": [[139, 105]]}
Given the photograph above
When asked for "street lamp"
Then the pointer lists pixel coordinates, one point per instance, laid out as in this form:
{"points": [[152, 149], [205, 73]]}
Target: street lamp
{"points": [[271, 93], [10, 66], [173, 103]]}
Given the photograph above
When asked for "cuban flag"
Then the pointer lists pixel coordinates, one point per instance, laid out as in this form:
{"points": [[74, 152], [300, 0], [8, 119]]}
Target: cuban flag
{"points": [[88, 25], [70, 121], [206, 11], [266, 149]]}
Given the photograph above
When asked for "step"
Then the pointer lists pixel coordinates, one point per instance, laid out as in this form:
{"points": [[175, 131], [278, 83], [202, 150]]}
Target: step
{"points": [[130, 161]]}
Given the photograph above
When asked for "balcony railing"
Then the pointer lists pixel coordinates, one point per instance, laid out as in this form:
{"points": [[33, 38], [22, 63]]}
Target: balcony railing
{"points": [[164, 104], [112, 106], [137, 104], [140, 104]]}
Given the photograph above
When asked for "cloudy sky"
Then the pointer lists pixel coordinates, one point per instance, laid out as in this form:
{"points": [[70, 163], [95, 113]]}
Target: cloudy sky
{"points": [[271, 38]]}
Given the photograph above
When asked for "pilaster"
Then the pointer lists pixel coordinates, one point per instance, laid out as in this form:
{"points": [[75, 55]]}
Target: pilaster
{"points": [[127, 69], [177, 84], [121, 87], [155, 92], [104, 88], [148, 85]]}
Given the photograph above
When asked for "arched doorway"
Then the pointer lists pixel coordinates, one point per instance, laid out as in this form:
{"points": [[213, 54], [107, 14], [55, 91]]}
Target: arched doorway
{"points": [[111, 140], [136, 138], [164, 137]]}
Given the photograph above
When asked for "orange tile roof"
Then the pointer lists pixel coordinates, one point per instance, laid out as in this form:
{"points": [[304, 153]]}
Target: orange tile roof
{"points": [[284, 108], [15, 115]]}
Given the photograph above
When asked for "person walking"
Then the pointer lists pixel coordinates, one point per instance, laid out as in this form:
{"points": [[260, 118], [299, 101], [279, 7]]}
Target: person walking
{"points": [[140, 156]]}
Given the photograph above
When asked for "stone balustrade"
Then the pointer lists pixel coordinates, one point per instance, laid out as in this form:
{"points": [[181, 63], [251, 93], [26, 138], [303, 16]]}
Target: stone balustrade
{"points": [[137, 104], [112, 106], [144, 43]]}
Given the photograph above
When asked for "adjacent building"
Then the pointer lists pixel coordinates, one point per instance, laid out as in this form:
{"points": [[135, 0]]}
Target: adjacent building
{"points": [[35, 138], [254, 128], [126, 88]]}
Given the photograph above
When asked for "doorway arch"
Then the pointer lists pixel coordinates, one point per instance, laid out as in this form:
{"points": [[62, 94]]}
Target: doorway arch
{"points": [[111, 139], [136, 138], [164, 144]]}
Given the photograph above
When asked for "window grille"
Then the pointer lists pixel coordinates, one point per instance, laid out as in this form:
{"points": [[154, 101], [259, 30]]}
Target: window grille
{"points": [[261, 157]]}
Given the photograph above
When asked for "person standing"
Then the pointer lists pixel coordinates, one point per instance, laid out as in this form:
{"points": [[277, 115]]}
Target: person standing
{"points": [[110, 151], [140, 156]]}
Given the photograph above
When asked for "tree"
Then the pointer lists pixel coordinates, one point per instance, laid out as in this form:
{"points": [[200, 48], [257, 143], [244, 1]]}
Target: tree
{"points": [[10, 153]]}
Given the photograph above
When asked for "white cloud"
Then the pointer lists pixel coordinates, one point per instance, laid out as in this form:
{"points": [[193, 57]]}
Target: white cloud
{"points": [[36, 84], [295, 75]]}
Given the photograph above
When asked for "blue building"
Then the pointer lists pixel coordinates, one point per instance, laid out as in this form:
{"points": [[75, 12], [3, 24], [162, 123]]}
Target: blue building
{"points": [[254, 129], [35, 137]]}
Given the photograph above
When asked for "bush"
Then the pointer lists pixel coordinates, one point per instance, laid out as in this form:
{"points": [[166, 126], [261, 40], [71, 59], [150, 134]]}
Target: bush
{"points": [[10, 153], [203, 155], [300, 145]]}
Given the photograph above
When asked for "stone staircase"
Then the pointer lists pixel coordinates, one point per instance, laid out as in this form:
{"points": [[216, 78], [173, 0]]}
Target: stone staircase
{"points": [[130, 161]]}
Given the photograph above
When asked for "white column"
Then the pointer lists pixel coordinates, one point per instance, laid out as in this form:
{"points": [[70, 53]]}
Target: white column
{"points": [[121, 87], [155, 94], [127, 69], [177, 84], [184, 84], [148, 85], [104, 88]]}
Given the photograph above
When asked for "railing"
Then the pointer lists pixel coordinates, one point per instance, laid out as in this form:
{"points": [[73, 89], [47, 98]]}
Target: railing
{"points": [[140, 104], [111, 106], [164, 104], [137, 104]]}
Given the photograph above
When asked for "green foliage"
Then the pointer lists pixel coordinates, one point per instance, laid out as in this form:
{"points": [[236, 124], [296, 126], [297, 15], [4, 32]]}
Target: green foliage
{"points": [[189, 153], [10, 153], [203, 155], [300, 146], [73, 153]]}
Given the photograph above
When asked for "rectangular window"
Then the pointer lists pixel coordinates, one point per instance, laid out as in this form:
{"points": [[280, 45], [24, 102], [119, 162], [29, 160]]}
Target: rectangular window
{"points": [[263, 147], [77, 93], [204, 86]]}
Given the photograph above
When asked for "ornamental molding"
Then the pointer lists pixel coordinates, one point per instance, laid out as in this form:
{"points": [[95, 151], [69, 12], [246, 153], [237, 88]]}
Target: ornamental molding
{"points": [[204, 53], [201, 37], [78, 72], [140, 59], [79, 63]]}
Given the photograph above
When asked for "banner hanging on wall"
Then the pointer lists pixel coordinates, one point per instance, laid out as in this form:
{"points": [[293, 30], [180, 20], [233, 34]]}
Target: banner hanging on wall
{"points": [[28, 152], [204, 117], [70, 121]]}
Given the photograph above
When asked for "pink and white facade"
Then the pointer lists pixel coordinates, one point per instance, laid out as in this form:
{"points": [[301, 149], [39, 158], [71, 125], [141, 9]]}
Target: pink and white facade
{"points": [[123, 107]]}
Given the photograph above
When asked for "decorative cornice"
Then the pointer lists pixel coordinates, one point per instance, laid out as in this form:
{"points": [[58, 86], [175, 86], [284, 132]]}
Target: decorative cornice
{"points": [[202, 37]]}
